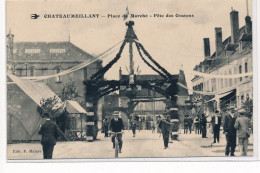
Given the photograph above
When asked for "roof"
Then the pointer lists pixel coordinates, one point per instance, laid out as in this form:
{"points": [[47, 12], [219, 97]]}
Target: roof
{"points": [[222, 60], [73, 107], [43, 53], [231, 47], [35, 90], [246, 37]]}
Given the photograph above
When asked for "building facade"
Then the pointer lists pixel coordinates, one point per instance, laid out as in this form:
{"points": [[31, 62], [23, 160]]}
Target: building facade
{"points": [[233, 56], [26, 59]]}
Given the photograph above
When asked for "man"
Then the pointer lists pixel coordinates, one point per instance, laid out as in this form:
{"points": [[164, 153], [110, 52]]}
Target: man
{"points": [[49, 132], [117, 125], [105, 126], [196, 124], [242, 125], [203, 126], [216, 122], [165, 127], [186, 124], [230, 131], [133, 124], [190, 122]]}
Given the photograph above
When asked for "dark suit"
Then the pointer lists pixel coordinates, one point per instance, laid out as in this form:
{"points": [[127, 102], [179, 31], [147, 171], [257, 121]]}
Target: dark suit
{"points": [[117, 126], [242, 125], [230, 131], [186, 124], [165, 127], [49, 132], [216, 127], [204, 126]]}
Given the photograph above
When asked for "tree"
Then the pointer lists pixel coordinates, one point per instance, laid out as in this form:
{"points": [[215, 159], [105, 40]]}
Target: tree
{"points": [[48, 105], [69, 92]]}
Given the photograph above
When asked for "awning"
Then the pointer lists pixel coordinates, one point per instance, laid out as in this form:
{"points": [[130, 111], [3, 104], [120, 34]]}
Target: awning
{"points": [[72, 107], [219, 96], [35, 90]]}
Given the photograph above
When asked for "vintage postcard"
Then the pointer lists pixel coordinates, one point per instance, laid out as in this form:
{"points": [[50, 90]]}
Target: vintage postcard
{"points": [[130, 80]]}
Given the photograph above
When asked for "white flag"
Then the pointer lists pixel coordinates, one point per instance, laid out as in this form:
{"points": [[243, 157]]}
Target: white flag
{"points": [[126, 13]]}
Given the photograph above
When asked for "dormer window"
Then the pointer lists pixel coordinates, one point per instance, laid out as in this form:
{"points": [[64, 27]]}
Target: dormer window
{"points": [[58, 51], [32, 51]]}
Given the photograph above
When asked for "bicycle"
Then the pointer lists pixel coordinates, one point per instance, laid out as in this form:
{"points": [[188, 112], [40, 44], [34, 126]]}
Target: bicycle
{"points": [[116, 143]]}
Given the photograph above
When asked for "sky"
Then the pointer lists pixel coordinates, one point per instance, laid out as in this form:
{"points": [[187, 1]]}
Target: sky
{"points": [[172, 42]]}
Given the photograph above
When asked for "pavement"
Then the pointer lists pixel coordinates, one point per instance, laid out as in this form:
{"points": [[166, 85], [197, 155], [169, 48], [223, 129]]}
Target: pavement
{"points": [[145, 145]]}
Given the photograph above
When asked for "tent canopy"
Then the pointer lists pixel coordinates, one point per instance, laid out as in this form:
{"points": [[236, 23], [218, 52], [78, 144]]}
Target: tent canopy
{"points": [[72, 107]]}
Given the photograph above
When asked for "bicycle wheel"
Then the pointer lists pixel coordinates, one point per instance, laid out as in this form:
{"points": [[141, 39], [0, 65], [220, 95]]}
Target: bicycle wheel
{"points": [[116, 148]]}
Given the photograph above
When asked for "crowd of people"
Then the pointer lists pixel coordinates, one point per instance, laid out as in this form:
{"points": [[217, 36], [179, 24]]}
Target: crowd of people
{"points": [[235, 123]]}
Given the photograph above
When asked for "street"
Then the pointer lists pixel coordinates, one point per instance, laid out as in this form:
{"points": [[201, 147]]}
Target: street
{"points": [[144, 145]]}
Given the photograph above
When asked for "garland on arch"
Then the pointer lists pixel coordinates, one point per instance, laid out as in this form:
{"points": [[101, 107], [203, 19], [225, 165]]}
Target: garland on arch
{"points": [[147, 63], [102, 71], [158, 65]]}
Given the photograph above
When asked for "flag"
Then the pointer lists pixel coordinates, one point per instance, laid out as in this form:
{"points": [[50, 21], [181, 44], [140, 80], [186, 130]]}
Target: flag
{"points": [[125, 16]]}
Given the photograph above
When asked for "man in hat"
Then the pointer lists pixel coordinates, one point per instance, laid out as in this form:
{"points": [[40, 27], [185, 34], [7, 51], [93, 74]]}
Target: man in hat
{"points": [[186, 123], [203, 122], [49, 132], [133, 123], [117, 125], [165, 127], [242, 125], [230, 131], [216, 122]]}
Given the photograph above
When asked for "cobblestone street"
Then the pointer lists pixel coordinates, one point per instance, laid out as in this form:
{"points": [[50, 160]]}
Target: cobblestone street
{"points": [[144, 145]]}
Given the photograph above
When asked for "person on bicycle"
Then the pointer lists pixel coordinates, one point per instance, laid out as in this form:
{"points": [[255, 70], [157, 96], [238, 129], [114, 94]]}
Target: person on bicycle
{"points": [[117, 125]]}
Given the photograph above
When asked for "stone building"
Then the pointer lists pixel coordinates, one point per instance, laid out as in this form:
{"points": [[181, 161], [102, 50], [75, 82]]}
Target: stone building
{"points": [[232, 56], [26, 59]]}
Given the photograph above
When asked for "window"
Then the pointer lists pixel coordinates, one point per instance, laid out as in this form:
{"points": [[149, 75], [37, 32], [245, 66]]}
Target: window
{"points": [[32, 71], [214, 84], [235, 72], [242, 98], [230, 79], [207, 86], [226, 80], [240, 71], [32, 51], [58, 78], [246, 68], [59, 51]]}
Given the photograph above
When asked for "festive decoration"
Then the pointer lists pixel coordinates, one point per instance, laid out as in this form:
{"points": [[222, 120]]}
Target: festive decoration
{"points": [[149, 56], [102, 71], [147, 63]]}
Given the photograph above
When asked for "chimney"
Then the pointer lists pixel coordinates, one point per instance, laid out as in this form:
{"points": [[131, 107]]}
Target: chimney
{"points": [[248, 20], [248, 24], [206, 48], [10, 44], [234, 26], [120, 73], [218, 37]]}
